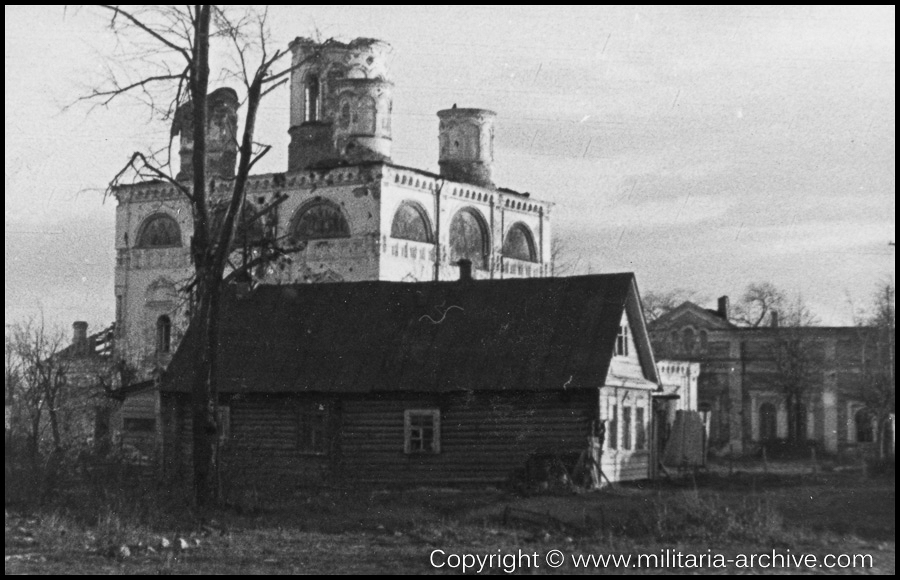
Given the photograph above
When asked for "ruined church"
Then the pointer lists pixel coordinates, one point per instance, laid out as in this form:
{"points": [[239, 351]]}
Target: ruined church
{"points": [[353, 214]]}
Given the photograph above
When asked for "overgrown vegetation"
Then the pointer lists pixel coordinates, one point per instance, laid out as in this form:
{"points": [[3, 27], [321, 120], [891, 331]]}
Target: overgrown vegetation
{"points": [[119, 522]]}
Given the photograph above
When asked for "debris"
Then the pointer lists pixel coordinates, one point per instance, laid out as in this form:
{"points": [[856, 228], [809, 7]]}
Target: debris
{"points": [[27, 557]]}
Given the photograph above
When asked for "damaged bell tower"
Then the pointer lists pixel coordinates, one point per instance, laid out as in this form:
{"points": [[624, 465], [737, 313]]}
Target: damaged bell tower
{"points": [[341, 101]]}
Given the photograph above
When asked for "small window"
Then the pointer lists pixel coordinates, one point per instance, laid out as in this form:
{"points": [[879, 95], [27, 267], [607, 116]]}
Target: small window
{"points": [[626, 428], [311, 428], [864, 431], [344, 120], [366, 121], [799, 420], [613, 430], [422, 432], [768, 422], [163, 334], [640, 440], [139, 425], [312, 98], [622, 341], [688, 338], [223, 418]]}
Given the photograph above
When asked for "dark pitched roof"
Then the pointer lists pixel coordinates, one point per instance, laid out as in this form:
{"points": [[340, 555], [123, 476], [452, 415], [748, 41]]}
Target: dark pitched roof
{"points": [[711, 318], [528, 334]]}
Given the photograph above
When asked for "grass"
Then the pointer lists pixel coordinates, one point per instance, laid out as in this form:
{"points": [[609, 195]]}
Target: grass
{"points": [[381, 531]]}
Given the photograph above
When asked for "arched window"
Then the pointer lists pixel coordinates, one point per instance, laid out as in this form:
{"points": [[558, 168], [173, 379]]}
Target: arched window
{"points": [[519, 244], [159, 231], [469, 238], [800, 421], [344, 119], [864, 431], [247, 233], [688, 337], [411, 223], [163, 334], [312, 98], [366, 124], [320, 219], [768, 422]]}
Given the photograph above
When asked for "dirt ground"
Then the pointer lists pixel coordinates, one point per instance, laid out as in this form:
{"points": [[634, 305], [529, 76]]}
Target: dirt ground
{"points": [[782, 518]]}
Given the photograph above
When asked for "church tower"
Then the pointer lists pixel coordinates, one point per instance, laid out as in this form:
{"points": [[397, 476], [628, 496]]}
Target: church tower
{"points": [[341, 103], [347, 212]]}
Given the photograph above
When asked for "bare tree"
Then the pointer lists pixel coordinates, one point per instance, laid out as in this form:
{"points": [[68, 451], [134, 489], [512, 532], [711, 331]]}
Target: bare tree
{"points": [[36, 384], [796, 355], [173, 69], [564, 263], [877, 359], [758, 302], [657, 304]]}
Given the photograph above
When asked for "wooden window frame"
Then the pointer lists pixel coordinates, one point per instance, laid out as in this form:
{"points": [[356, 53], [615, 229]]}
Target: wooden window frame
{"points": [[627, 439], [223, 418], [408, 446], [612, 432], [622, 340], [640, 434], [307, 442]]}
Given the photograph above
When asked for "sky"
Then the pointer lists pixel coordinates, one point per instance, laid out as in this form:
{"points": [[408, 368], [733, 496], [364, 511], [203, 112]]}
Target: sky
{"points": [[703, 148]]}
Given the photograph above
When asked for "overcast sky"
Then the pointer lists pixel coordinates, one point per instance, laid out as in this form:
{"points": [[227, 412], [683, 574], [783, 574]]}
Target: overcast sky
{"points": [[701, 148]]}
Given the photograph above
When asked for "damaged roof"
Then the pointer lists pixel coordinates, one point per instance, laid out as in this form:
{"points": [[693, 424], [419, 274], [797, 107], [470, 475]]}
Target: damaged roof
{"points": [[363, 337]]}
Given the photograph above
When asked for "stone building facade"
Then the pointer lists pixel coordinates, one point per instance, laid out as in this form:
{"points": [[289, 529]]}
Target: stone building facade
{"points": [[740, 380]]}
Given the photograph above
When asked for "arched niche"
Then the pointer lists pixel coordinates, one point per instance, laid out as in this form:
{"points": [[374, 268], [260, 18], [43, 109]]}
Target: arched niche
{"points": [[318, 220], [469, 238], [159, 230], [411, 223], [519, 243]]}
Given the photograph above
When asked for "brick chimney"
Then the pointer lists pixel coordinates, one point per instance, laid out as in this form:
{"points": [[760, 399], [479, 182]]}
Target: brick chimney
{"points": [[722, 310], [79, 337], [465, 270]]}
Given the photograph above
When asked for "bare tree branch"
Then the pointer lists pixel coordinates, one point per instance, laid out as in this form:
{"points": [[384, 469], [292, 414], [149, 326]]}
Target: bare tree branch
{"points": [[117, 10]]}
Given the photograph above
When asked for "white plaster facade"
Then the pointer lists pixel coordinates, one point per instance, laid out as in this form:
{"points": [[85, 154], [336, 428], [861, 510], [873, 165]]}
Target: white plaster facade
{"points": [[364, 187]]}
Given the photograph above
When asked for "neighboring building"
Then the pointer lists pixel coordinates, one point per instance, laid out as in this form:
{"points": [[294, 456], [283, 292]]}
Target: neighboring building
{"points": [[431, 383], [740, 374], [83, 406]]}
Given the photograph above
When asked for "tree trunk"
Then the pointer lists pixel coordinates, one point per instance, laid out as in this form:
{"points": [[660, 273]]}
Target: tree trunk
{"points": [[52, 413], [35, 438], [203, 403], [206, 489]]}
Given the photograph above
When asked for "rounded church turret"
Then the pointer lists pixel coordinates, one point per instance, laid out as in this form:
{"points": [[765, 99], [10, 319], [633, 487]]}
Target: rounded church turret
{"points": [[362, 125], [221, 134], [467, 145], [340, 102]]}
